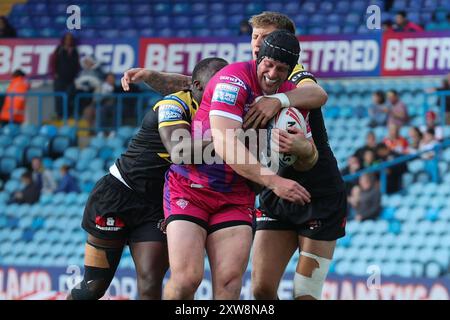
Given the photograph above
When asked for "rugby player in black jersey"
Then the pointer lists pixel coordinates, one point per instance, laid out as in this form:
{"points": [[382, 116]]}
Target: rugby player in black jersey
{"points": [[283, 227], [125, 206]]}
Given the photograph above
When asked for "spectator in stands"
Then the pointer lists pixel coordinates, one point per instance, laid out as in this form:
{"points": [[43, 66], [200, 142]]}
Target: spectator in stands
{"points": [[369, 158], [402, 24], [444, 87], [245, 28], [68, 183], [353, 166], [90, 78], [394, 141], [431, 123], [365, 198], [15, 105], [6, 29], [65, 66], [108, 102], [394, 173], [371, 144], [42, 177], [378, 111], [398, 113], [30, 192], [415, 136], [387, 26], [428, 142]]}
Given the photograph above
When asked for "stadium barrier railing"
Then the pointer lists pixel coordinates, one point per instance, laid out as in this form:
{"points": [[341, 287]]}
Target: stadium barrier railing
{"points": [[98, 99], [119, 110], [40, 96]]}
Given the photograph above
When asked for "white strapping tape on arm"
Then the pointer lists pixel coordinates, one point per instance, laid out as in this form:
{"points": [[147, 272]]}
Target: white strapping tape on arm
{"points": [[282, 97]]}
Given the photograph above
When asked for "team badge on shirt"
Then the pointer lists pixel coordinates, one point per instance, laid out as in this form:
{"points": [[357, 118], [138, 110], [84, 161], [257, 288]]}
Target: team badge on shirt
{"points": [[225, 93], [169, 112]]}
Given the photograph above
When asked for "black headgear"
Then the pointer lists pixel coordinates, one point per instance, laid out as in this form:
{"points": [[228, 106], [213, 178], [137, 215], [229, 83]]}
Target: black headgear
{"points": [[282, 46]]}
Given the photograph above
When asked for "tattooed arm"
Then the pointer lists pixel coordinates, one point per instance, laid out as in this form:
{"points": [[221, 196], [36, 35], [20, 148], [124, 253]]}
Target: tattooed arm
{"points": [[164, 83]]}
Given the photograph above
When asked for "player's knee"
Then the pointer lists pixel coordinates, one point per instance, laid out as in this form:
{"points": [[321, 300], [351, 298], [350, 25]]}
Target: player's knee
{"points": [[263, 291], [92, 291], [96, 279], [187, 282], [149, 286], [309, 282], [229, 280]]}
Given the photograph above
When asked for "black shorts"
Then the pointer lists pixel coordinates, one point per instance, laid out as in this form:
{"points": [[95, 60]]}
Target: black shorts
{"points": [[113, 212], [322, 219]]}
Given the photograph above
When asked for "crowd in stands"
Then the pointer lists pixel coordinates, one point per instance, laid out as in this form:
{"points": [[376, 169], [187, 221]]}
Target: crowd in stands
{"points": [[364, 194], [39, 180]]}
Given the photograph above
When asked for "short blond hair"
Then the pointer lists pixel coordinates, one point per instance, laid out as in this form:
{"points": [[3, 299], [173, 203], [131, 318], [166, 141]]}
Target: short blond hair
{"points": [[269, 18]]}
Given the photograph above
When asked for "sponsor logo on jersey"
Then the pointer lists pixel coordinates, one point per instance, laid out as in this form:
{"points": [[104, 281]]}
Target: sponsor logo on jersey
{"points": [[264, 218], [182, 203], [109, 223], [234, 80], [314, 224], [225, 93], [168, 112], [162, 225], [299, 76]]}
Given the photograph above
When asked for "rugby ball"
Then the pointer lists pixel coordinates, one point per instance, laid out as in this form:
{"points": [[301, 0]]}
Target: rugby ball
{"points": [[285, 119]]}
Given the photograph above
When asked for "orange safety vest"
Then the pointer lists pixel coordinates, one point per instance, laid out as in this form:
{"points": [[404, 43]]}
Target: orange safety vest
{"points": [[17, 85]]}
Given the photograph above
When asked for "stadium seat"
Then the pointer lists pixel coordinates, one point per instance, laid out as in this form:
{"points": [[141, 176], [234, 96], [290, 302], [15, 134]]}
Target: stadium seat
{"points": [[11, 129], [32, 152], [40, 141], [29, 129], [7, 165], [48, 130], [5, 140]]}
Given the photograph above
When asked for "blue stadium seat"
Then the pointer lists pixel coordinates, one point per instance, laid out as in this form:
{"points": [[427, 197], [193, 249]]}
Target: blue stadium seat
{"points": [[352, 19], [32, 152], [110, 34], [161, 9], [58, 163], [147, 32], [29, 129], [72, 153], [40, 141], [332, 29], [58, 144], [236, 8], [7, 165], [317, 20], [96, 165], [253, 8], [99, 142], [217, 20], [87, 186], [432, 270], [11, 129], [126, 132], [275, 6], [5, 141], [202, 32], [121, 9], [48, 130], [21, 140]]}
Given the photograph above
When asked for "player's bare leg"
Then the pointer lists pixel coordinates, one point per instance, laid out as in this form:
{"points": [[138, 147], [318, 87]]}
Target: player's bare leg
{"points": [[312, 268], [228, 253], [101, 259], [186, 245], [272, 250], [151, 261]]}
